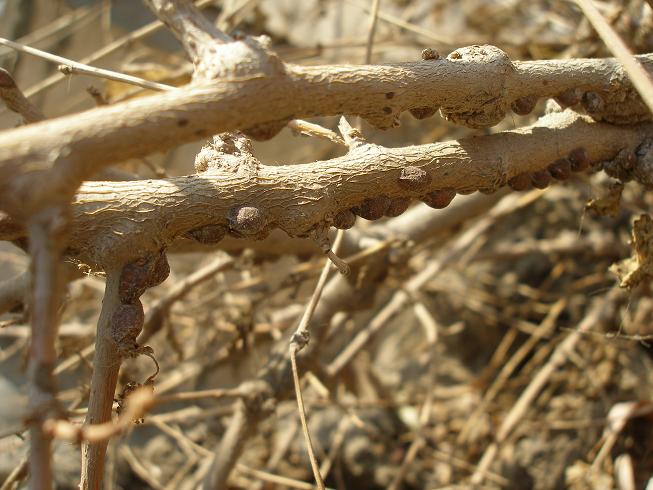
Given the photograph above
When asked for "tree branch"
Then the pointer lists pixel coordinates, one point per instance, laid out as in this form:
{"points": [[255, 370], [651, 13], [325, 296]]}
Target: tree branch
{"points": [[113, 220], [474, 86]]}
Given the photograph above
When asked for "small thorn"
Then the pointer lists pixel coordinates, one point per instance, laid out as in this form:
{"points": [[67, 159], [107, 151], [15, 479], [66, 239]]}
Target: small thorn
{"points": [[341, 265]]}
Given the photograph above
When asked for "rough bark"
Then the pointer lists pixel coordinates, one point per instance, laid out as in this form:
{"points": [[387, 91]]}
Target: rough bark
{"points": [[474, 86], [113, 220]]}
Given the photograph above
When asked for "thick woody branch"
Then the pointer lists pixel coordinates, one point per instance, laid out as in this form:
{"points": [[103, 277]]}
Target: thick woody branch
{"points": [[474, 86], [113, 220]]}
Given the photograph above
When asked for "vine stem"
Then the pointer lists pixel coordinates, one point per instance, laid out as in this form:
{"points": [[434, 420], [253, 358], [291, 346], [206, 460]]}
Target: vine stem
{"points": [[103, 385]]}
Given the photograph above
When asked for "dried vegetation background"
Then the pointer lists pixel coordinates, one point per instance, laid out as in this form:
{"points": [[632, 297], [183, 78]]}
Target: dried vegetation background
{"points": [[515, 363]]}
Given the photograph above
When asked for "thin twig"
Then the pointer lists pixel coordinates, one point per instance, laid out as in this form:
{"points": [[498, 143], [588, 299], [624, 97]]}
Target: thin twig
{"points": [[599, 312], [374, 16], [70, 66], [157, 312], [297, 342], [138, 403], [617, 47], [311, 129]]}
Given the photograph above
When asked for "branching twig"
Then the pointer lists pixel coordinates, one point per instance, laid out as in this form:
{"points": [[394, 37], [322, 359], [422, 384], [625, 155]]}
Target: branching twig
{"points": [[297, 342], [474, 86]]}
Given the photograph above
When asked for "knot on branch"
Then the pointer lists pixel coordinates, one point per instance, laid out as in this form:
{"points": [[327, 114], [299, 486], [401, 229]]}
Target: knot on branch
{"points": [[245, 58], [635, 165], [141, 274], [620, 105], [126, 324], [228, 152], [248, 221], [487, 104]]}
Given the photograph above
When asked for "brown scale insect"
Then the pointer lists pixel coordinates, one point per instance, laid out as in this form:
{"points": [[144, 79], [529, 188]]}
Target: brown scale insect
{"points": [[423, 112], [560, 169], [592, 102], [372, 208], [439, 199], [246, 221], [344, 220], [208, 234], [141, 274], [397, 206], [520, 182], [524, 105], [126, 325], [569, 98], [579, 160], [430, 54], [541, 179]]}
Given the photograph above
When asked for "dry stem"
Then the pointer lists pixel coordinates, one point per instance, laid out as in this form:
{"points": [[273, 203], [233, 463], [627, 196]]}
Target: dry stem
{"points": [[103, 384], [113, 219], [45, 236], [475, 87]]}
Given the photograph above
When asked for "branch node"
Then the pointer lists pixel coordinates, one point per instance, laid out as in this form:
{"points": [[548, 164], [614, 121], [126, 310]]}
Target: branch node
{"points": [[352, 136]]}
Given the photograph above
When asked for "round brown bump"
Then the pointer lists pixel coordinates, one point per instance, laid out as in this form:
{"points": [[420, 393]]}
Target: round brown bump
{"points": [[626, 159], [160, 270], [372, 208], [423, 112], [6, 80], [387, 110], [524, 105], [520, 182], [541, 179], [455, 55], [569, 97], [579, 160], [141, 274], [182, 122], [439, 199], [246, 220], [344, 220], [414, 179], [389, 95], [126, 324], [207, 234], [397, 206], [430, 54], [560, 169], [592, 102]]}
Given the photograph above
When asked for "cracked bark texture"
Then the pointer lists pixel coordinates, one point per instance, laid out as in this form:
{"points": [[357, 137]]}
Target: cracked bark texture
{"points": [[110, 219], [474, 86]]}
